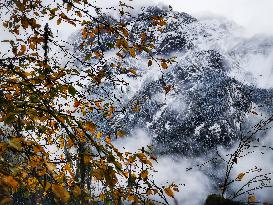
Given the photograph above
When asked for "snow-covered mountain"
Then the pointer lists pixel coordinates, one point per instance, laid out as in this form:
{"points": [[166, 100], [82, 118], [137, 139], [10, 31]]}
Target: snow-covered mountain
{"points": [[218, 88], [207, 103]]}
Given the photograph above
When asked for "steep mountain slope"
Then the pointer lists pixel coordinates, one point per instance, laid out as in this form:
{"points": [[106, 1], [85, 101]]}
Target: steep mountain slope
{"points": [[199, 102]]}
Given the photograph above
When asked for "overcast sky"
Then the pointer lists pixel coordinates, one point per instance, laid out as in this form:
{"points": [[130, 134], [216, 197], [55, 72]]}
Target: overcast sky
{"points": [[256, 16]]}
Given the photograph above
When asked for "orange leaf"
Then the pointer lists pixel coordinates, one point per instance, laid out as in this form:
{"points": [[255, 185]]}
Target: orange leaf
{"points": [[108, 139], [77, 104], [9, 180], [84, 33], [98, 54], [131, 198]]}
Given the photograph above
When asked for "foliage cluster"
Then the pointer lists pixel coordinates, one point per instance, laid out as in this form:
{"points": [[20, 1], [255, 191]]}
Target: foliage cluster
{"points": [[42, 110]]}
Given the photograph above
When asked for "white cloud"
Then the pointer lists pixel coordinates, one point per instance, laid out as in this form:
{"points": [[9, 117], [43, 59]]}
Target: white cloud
{"points": [[254, 15]]}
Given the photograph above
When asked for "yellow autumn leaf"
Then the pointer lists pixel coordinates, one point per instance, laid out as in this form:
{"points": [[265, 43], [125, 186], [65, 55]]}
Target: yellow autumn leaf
{"points": [[102, 196], [144, 174], [69, 7], [132, 52], [47, 186], [51, 167], [240, 176], [61, 193], [99, 135], [87, 158], [91, 127], [77, 191], [125, 44], [15, 143], [169, 192], [120, 133], [133, 71]]}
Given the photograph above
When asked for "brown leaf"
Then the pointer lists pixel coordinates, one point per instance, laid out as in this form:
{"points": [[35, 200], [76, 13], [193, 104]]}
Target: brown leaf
{"points": [[61, 192], [150, 62], [22, 50], [91, 127], [144, 174], [133, 71], [15, 143], [77, 191], [59, 21], [253, 112], [84, 33], [69, 7], [51, 167], [251, 198], [131, 198], [164, 65], [168, 88], [169, 192], [132, 52], [120, 133], [153, 157], [5, 200], [240, 176]]}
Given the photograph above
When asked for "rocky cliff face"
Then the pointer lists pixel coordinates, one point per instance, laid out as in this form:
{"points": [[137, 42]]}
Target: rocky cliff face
{"points": [[196, 104]]}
